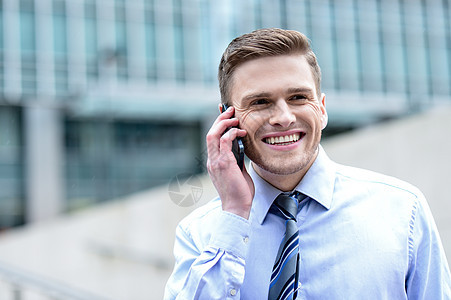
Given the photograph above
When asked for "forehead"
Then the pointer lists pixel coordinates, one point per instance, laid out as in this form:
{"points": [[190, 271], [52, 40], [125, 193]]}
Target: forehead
{"points": [[272, 75]]}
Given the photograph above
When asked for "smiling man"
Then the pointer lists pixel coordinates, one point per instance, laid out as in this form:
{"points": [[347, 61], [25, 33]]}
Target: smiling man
{"points": [[296, 225]]}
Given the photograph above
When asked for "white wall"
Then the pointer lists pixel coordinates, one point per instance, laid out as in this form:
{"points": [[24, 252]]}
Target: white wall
{"points": [[416, 149]]}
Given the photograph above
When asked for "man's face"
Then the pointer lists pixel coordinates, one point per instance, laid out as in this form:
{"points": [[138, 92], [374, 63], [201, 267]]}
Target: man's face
{"points": [[276, 102]]}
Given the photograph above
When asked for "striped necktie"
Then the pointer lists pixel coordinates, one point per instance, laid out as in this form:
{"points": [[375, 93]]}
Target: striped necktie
{"points": [[285, 273]]}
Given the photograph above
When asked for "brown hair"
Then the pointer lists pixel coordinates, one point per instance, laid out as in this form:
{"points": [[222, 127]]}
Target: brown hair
{"points": [[263, 43]]}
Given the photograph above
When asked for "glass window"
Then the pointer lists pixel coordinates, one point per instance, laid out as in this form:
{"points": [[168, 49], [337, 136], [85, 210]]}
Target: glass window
{"points": [[12, 198], [348, 57], [28, 45], [437, 53], [323, 42], [27, 27], [253, 15], [192, 54], [121, 41], [1, 27], [179, 45], [193, 43], [370, 46], [298, 16], [106, 160], [59, 28], [164, 34], [392, 47], [440, 66], [257, 13], [211, 45], [271, 13], [164, 37], [417, 64], [90, 28], [149, 24], [88, 146], [150, 52], [60, 45], [61, 77], [371, 66], [1, 52]]}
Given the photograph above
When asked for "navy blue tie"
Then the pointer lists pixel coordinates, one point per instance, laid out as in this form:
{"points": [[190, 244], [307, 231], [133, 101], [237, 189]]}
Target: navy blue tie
{"points": [[285, 274]]}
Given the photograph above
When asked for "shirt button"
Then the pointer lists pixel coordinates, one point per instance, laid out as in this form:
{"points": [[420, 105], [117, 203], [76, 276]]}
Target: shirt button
{"points": [[246, 239], [232, 292]]}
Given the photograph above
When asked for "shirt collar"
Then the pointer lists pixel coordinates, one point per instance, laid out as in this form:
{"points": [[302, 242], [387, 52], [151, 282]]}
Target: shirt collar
{"points": [[318, 184]]}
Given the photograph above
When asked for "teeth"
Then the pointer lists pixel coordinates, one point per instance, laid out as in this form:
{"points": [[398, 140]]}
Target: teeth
{"points": [[283, 139]]}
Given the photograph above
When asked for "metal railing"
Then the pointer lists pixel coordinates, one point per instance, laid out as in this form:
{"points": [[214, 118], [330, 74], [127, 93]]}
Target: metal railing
{"points": [[18, 284]]}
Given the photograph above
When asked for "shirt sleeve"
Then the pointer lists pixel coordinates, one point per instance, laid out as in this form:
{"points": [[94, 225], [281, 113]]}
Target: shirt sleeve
{"points": [[213, 271], [428, 275]]}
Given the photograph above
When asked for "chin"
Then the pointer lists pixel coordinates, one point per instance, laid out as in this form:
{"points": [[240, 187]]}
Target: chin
{"points": [[281, 169], [284, 165]]}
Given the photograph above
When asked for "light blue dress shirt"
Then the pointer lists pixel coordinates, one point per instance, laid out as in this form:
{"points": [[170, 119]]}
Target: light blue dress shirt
{"points": [[362, 236]]}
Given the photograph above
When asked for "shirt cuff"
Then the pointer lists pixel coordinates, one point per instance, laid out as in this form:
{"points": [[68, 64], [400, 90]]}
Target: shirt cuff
{"points": [[231, 234]]}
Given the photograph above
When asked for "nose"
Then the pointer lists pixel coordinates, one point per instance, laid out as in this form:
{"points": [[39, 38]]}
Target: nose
{"points": [[282, 114]]}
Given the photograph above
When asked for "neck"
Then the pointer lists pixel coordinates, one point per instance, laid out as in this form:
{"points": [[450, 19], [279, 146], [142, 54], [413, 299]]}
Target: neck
{"points": [[284, 182]]}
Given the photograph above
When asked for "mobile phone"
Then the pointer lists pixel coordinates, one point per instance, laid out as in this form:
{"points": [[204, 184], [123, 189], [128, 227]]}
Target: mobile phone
{"points": [[237, 146]]}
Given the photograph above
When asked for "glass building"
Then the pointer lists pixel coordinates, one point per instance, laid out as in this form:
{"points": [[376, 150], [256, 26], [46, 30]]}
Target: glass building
{"points": [[102, 98]]}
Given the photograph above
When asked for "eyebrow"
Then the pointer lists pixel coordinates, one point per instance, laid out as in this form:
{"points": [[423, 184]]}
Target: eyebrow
{"points": [[304, 90], [256, 96]]}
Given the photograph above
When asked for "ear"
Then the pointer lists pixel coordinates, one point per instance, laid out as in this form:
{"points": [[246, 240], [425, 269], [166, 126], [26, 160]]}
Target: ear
{"points": [[324, 117]]}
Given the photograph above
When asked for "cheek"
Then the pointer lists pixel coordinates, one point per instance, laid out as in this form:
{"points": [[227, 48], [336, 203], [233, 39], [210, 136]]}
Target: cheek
{"points": [[315, 115], [250, 121], [315, 108]]}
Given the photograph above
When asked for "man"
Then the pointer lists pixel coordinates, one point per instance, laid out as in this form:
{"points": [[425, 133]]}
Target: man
{"points": [[357, 234]]}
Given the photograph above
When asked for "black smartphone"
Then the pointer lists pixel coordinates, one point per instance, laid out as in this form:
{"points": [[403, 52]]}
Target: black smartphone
{"points": [[237, 145]]}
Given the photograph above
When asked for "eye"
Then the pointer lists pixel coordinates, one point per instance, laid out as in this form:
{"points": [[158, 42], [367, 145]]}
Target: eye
{"points": [[260, 102], [299, 97]]}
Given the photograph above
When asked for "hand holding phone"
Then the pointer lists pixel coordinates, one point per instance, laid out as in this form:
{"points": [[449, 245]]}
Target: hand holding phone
{"points": [[234, 185], [237, 146]]}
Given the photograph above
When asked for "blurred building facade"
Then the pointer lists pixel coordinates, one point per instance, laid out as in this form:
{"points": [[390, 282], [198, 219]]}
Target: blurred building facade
{"points": [[101, 98]]}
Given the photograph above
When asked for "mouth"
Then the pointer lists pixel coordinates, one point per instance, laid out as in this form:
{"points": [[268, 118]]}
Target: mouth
{"points": [[283, 140]]}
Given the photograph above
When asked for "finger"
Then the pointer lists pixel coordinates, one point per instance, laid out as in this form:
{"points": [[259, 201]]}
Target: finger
{"points": [[224, 125], [219, 150], [217, 130], [227, 138], [225, 115]]}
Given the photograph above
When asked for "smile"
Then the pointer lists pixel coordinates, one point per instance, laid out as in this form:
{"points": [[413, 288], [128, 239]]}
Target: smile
{"points": [[283, 140]]}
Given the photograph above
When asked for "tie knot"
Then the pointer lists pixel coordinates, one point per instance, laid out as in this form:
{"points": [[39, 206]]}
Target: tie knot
{"points": [[287, 204]]}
